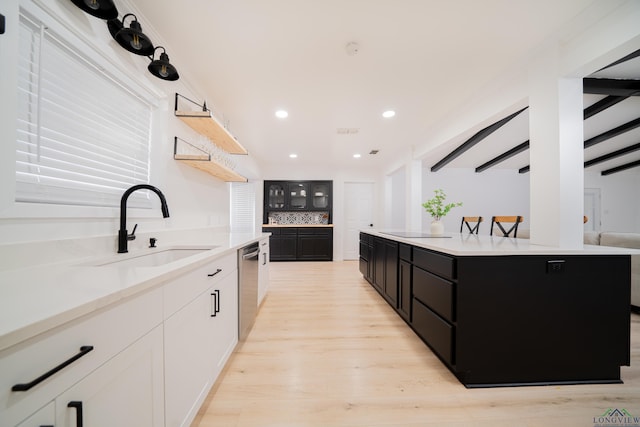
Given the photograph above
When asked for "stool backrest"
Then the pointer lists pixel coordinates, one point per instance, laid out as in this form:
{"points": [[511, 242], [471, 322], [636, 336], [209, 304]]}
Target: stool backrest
{"points": [[499, 220], [469, 219]]}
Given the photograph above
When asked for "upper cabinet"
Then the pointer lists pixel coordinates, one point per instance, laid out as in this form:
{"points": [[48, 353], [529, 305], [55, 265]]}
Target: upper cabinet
{"points": [[297, 196]]}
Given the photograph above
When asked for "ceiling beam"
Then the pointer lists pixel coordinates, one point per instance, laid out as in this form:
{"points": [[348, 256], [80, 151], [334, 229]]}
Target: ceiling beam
{"points": [[612, 155], [602, 105], [504, 156], [620, 168], [479, 136], [621, 60], [612, 133], [611, 87], [524, 169]]}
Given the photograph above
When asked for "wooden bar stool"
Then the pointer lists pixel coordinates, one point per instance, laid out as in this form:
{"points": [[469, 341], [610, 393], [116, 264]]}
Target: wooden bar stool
{"points": [[498, 220], [468, 219]]}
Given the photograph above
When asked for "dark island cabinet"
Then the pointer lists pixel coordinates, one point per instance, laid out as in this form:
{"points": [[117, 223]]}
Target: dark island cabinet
{"points": [[300, 243], [510, 319], [385, 259]]}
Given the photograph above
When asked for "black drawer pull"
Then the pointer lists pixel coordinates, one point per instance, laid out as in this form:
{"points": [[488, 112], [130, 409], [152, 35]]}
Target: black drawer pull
{"points": [[78, 406], [24, 387], [216, 272]]}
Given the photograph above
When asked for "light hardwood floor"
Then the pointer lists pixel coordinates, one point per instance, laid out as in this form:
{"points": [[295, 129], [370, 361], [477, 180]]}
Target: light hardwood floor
{"points": [[327, 350]]}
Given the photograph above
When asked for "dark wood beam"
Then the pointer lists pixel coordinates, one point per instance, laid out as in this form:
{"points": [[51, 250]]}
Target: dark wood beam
{"points": [[524, 169], [504, 156], [621, 60], [482, 134], [621, 168], [612, 155], [611, 87], [612, 133], [602, 105]]}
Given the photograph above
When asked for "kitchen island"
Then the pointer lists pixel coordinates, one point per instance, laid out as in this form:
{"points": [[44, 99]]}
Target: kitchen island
{"points": [[503, 312]]}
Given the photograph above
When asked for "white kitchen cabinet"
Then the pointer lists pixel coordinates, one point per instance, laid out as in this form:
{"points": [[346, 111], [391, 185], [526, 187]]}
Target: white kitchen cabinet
{"points": [[198, 340], [45, 417], [36, 371], [263, 270], [127, 391]]}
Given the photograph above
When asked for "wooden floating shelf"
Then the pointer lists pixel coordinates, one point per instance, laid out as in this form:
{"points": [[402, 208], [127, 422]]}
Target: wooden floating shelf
{"points": [[210, 167], [205, 124]]}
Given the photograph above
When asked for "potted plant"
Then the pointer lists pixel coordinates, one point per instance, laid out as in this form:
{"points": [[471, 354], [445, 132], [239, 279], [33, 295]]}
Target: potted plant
{"points": [[438, 209]]}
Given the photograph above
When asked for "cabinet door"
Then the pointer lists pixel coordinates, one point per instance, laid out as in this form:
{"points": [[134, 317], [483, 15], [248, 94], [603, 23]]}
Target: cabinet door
{"points": [[378, 263], [391, 272], [274, 195], [284, 246], [321, 195], [189, 348], [298, 193], [315, 244], [45, 417], [263, 270], [198, 341], [404, 289], [224, 323], [126, 391]]}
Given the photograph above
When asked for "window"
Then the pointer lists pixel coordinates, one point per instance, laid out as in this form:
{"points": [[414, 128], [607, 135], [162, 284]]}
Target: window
{"points": [[243, 207], [83, 137]]}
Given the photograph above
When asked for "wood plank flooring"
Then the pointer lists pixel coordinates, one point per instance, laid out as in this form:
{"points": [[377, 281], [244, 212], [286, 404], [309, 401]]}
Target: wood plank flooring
{"points": [[327, 350]]}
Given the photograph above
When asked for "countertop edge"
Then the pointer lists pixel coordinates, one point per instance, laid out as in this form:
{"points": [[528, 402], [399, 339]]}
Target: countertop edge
{"points": [[460, 244], [151, 278]]}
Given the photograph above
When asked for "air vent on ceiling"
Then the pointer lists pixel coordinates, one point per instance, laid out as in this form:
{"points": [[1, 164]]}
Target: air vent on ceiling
{"points": [[347, 131], [374, 151]]}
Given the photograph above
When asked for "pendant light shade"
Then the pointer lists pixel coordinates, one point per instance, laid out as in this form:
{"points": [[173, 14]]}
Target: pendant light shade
{"points": [[103, 9], [161, 68], [132, 38]]}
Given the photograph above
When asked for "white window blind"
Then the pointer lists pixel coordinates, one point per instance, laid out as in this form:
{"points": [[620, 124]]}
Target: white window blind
{"points": [[83, 138], [243, 207]]}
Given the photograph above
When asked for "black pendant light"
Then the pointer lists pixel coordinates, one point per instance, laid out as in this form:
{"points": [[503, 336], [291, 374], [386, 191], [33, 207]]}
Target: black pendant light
{"points": [[161, 68], [132, 38], [103, 9]]}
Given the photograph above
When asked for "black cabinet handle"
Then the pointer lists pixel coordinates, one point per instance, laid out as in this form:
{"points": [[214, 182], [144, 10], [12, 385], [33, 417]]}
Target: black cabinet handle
{"points": [[78, 407], [216, 272], [215, 307], [26, 386]]}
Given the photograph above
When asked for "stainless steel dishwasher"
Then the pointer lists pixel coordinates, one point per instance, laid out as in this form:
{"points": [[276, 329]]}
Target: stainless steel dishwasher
{"points": [[247, 288]]}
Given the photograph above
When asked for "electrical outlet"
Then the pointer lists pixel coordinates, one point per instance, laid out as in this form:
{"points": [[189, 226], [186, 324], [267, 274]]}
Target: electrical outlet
{"points": [[555, 266]]}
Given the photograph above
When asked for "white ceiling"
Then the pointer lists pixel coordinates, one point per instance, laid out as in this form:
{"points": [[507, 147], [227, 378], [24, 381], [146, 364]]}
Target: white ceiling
{"points": [[421, 58]]}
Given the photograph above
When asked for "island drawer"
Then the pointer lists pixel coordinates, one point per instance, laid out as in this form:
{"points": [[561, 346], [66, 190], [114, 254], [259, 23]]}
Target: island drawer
{"points": [[434, 291], [435, 331], [436, 263], [405, 252]]}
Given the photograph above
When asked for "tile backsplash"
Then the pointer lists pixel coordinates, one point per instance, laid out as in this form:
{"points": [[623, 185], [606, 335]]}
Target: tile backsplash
{"points": [[299, 217]]}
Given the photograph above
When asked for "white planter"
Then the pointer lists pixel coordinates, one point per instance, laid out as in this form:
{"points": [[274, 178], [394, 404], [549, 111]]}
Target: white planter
{"points": [[437, 228]]}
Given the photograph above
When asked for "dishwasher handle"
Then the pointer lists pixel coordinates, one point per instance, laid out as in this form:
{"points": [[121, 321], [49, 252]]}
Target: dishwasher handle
{"points": [[251, 254]]}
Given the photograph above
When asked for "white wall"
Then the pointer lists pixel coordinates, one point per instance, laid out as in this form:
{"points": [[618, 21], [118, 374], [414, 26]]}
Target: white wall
{"points": [[493, 192], [620, 199], [195, 199]]}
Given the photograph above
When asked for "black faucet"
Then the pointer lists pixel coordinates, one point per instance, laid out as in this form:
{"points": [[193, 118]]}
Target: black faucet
{"points": [[123, 234]]}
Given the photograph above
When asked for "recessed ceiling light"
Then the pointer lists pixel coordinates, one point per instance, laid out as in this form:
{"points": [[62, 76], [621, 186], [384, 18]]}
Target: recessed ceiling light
{"points": [[282, 114], [293, 155], [356, 156], [389, 113]]}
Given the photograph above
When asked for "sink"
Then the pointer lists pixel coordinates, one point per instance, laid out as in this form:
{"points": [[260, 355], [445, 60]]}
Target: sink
{"points": [[153, 259]]}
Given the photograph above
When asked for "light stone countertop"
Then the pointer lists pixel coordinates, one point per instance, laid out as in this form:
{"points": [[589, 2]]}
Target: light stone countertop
{"points": [[38, 298], [464, 244]]}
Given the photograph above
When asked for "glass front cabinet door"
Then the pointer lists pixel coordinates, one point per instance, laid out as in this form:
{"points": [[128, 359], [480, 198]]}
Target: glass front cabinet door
{"points": [[320, 193], [276, 195], [298, 192]]}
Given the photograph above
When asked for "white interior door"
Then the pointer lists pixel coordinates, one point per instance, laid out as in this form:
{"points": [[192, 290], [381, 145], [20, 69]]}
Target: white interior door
{"points": [[592, 209], [358, 203]]}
